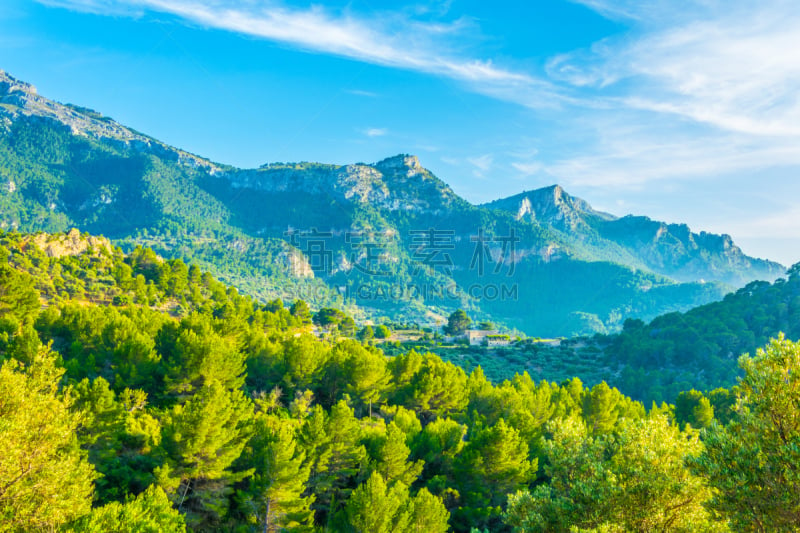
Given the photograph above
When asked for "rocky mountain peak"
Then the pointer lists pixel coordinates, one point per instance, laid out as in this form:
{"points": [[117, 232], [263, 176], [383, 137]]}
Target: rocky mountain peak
{"points": [[551, 205], [9, 84], [398, 162], [398, 183], [555, 196], [20, 99]]}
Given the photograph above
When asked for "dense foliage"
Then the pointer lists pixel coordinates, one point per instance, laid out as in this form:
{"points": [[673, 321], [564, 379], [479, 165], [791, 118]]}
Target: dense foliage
{"points": [[138, 394], [700, 348], [367, 257], [650, 362]]}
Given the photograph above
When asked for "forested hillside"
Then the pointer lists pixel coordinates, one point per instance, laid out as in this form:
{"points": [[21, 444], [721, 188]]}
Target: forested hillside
{"points": [[387, 239], [138, 394], [655, 361], [700, 348]]}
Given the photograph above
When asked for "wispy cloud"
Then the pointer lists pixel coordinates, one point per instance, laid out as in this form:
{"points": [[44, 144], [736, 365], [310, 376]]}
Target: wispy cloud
{"points": [[693, 90], [482, 164], [783, 224], [375, 132], [360, 92], [99, 7], [636, 154], [388, 39], [527, 168], [773, 233]]}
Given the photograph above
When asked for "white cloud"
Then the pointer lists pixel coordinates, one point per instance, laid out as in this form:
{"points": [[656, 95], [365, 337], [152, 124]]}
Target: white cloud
{"points": [[388, 39], [626, 153], [775, 234], [527, 168], [611, 10], [101, 7], [482, 164], [693, 90], [730, 65], [359, 92], [375, 132], [782, 224]]}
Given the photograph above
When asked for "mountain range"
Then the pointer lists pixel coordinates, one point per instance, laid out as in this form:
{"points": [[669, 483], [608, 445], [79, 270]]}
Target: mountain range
{"points": [[387, 241]]}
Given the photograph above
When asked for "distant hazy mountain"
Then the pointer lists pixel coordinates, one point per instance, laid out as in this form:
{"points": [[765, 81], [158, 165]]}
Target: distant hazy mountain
{"points": [[386, 239], [669, 249]]}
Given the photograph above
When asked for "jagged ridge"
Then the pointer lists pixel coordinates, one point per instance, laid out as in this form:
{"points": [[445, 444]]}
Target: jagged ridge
{"points": [[669, 249], [21, 98]]}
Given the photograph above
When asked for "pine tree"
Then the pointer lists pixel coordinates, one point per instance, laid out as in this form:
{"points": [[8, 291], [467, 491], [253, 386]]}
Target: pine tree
{"points": [[375, 508], [601, 406], [457, 323], [365, 334], [45, 479], [18, 296], [301, 312], [197, 355], [691, 407], [382, 332], [303, 358], [278, 482], [121, 438], [149, 512], [393, 463], [429, 514], [494, 463], [439, 443], [438, 388], [366, 372], [332, 443], [204, 437]]}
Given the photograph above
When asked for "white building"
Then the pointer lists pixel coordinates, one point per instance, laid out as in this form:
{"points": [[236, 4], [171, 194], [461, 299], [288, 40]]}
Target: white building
{"points": [[476, 336], [497, 340]]}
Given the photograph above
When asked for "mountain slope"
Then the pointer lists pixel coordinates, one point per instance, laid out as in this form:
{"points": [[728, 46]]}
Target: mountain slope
{"points": [[388, 239], [702, 346], [551, 205], [672, 250]]}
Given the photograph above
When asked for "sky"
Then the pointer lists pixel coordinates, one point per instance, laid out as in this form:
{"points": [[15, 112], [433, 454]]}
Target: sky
{"points": [[684, 111]]}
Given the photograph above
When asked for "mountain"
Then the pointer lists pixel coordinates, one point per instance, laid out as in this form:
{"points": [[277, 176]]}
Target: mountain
{"points": [[671, 250], [387, 239], [551, 205]]}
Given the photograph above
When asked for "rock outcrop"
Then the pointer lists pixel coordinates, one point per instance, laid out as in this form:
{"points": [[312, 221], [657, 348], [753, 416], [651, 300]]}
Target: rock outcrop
{"points": [[71, 243], [398, 183]]}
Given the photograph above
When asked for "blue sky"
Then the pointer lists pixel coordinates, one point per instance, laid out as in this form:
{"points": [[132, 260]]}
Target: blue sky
{"points": [[683, 111]]}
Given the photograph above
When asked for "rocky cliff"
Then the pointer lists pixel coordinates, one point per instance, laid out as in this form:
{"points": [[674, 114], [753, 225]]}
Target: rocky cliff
{"points": [[669, 249], [398, 183]]}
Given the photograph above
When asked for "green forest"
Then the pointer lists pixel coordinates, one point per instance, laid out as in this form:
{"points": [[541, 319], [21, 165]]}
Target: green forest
{"points": [[139, 394], [649, 362], [151, 195], [700, 348]]}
